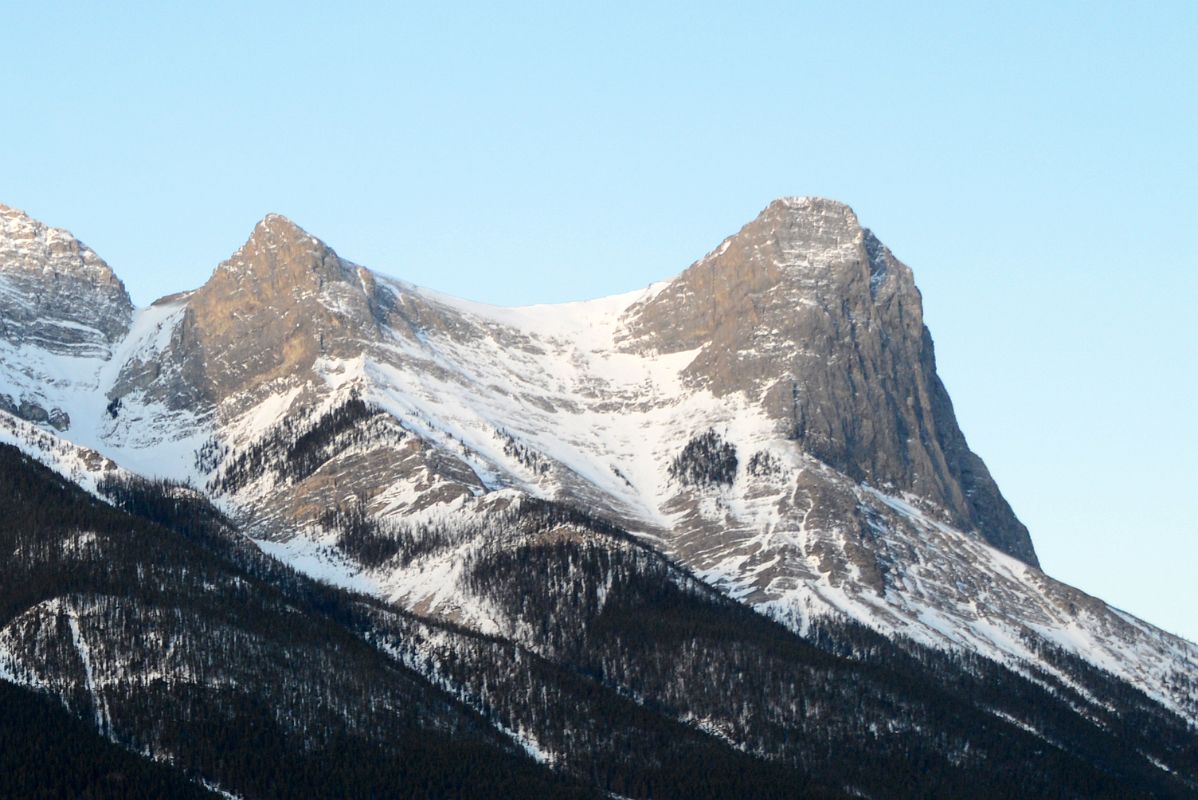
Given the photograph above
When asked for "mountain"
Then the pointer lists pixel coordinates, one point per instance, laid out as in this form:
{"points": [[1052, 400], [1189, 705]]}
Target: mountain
{"points": [[799, 289], [59, 303], [171, 648], [730, 517]]}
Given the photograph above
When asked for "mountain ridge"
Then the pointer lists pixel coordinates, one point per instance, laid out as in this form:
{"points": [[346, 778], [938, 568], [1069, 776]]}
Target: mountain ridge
{"points": [[770, 419]]}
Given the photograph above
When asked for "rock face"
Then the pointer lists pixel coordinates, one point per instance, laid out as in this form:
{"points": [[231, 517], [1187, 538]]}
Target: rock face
{"points": [[282, 300], [55, 292], [267, 313], [808, 311], [30, 411]]}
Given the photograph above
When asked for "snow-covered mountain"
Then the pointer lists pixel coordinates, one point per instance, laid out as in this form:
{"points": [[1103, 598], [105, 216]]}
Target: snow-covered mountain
{"points": [[770, 419]]}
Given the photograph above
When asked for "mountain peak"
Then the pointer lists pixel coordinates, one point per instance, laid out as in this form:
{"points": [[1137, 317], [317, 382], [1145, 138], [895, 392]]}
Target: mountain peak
{"points": [[276, 230], [278, 226], [13, 213], [73, 301], [799, 288], [281, 301], [803, 230], [810, 204], [279, 248], [29, 244]]}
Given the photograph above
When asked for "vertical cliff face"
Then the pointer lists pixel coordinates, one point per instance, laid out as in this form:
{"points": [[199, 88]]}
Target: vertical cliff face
{"points": [[807, 313], [55, 292]]}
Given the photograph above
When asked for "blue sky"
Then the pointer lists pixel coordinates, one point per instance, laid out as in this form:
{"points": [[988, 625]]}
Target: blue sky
{"points": [[1033, 162]]}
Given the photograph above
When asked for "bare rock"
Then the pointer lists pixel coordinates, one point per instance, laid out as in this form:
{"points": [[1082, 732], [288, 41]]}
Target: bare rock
{"points": [[808, 311], [55, 292]]}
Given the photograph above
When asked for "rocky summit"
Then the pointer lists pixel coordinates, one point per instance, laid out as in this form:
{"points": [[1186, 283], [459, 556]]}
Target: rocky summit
{"points": [[57, 294], [730, 517], [58, 299], [807, 312]]}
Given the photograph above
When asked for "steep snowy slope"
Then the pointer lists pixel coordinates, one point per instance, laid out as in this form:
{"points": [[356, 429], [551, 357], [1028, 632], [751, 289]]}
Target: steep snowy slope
{"points": [[770, 418]]}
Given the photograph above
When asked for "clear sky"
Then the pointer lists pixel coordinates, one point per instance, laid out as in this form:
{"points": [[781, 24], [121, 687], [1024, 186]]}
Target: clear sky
{"points": [[1035, 163]]}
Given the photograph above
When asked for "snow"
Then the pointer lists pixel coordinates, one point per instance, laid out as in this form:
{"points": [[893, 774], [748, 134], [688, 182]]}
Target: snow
{"points": [[321, 560], [606, 420], [76, 463], [6, 662], [419, 653], [145, 437], [212, 787], [89, 681], [603, 409], [587, 319], [554, 377]]}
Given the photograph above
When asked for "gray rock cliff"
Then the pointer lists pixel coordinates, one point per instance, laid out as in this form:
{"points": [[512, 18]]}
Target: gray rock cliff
{"points": [[808, 312], [55, 292]]}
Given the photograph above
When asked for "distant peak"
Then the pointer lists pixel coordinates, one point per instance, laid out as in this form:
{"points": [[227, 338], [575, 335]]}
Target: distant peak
{"points": [[277, 246], [812, 209], [278, 227], [793, 230], [274, 220], [28, 244], [810, 201], [277, 234], [15, 216], [55, 279]]}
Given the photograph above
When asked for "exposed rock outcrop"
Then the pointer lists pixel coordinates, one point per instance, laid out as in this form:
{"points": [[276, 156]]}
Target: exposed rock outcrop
{"points": [[808, 311], [55, 292], [276, 305]]}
